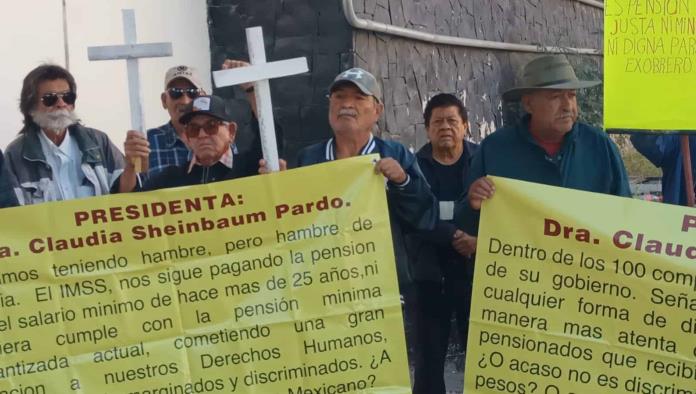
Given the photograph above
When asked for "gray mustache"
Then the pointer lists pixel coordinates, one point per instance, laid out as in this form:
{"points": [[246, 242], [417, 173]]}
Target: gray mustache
{"points": [[347, 112]]}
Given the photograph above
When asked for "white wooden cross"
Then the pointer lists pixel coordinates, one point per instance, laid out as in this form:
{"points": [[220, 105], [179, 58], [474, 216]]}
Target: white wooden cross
{"points": [[131, 52], [259, 73]]}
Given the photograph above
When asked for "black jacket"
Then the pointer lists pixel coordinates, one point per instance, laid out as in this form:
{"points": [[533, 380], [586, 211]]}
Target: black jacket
{"points": [[7, 195], [430, 251], [176, 176]]}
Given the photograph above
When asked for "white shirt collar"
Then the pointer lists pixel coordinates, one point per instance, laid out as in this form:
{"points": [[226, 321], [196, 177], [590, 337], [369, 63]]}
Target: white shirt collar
{"points": [[65, 161], [66, 146]]}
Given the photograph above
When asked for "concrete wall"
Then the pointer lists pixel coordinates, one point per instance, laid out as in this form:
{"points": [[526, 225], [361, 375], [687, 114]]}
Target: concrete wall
{"points": [[412, 71], [18, 61]]}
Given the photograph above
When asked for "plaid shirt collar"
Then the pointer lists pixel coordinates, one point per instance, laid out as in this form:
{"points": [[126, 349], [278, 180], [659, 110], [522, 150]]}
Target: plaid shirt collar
{"points": [[166, 148], [170, 136]]}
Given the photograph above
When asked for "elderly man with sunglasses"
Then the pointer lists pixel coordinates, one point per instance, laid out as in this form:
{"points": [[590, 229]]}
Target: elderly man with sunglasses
{"points": [[209, 131], [55, 157], [182, 84]]}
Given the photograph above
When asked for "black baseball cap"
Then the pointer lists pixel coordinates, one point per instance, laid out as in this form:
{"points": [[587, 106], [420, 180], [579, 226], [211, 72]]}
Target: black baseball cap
{"points": [[206, 105]]}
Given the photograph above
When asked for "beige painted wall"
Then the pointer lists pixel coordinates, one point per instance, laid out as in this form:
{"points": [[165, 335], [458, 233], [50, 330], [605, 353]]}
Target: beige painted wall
{"points": [[36, 31]]}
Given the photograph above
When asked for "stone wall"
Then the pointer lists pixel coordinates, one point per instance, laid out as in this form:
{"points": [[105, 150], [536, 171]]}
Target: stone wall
{"points": [[413, 71]]}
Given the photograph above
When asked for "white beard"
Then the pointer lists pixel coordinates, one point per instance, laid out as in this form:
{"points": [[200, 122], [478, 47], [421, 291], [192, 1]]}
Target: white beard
{"points": [[55, 120]]}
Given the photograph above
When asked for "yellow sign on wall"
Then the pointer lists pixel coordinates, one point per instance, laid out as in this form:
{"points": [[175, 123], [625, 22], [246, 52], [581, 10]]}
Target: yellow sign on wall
{"points": [[649, 64], [257, 285], [577, 292]]}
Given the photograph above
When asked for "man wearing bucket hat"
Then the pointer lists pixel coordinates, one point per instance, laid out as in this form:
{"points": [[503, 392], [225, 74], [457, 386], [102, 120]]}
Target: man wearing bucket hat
{"points": [[355, 105], [209, 131], [547, 146]]}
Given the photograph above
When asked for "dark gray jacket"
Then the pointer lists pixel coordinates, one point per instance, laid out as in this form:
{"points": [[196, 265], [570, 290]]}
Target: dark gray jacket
{"points": [[7, 196], [31, 174], [429, 251]]}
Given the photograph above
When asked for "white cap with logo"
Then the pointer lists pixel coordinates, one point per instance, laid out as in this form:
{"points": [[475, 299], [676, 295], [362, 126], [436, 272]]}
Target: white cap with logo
{"points": [[188, 73]]}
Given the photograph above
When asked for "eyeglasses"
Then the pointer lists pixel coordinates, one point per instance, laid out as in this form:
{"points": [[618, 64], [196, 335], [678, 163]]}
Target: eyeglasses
{"points": [[177, 93], [50, 99], [211, 127]]}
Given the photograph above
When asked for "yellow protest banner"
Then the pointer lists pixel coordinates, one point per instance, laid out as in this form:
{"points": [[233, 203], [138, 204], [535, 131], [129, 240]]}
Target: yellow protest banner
{"points": [[258, 285], [577, 292], [649, 64]]}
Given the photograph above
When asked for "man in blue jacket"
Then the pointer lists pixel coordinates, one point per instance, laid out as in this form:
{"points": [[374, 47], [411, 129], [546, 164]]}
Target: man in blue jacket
{"points": [[354, 108], [441, 259], [664, 151], [548, 146]]}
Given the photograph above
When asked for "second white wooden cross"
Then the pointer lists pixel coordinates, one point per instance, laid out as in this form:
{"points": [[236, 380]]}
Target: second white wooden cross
{"points": [[260, 72]]}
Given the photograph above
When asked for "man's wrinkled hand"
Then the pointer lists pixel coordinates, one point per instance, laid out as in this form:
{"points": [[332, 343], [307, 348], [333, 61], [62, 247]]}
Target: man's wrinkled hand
{"points": [[263, 168], [136, 146], [392, 170], [482, 189], [231, 63], [464, 243]]}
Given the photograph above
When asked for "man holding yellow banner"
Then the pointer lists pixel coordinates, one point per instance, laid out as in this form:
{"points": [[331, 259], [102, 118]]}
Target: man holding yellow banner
{"points": [[354, 108], [548, 146], [210, 132]]}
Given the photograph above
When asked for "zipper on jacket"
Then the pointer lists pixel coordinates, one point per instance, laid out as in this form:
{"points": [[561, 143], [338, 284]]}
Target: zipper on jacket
{"points": [[204, 175]]}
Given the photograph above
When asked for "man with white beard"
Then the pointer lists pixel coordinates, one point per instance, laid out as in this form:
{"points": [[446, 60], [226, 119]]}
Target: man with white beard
{"points": [[55, 157]]}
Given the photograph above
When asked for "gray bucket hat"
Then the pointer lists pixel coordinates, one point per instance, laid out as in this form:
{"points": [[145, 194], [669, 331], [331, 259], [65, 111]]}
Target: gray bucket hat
{"points": [[547, 72]]}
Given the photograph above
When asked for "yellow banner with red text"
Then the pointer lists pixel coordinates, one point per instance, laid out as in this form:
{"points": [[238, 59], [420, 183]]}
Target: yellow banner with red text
{"points": [[257, 285], [578, 292]]}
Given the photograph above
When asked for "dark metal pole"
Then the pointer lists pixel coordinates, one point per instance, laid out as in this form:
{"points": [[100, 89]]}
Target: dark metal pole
{"points": [[688, 175]]}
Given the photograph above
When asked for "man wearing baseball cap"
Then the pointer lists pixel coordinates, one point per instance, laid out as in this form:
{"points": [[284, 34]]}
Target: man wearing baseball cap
{"points": [[355, 105], [167, 148], [547, 146], [209, 131], [182, 84]]}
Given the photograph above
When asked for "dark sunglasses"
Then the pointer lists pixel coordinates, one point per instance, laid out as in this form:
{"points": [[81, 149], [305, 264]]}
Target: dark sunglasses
{"points": [[50, 99], [211, 127], [177, 93]]}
